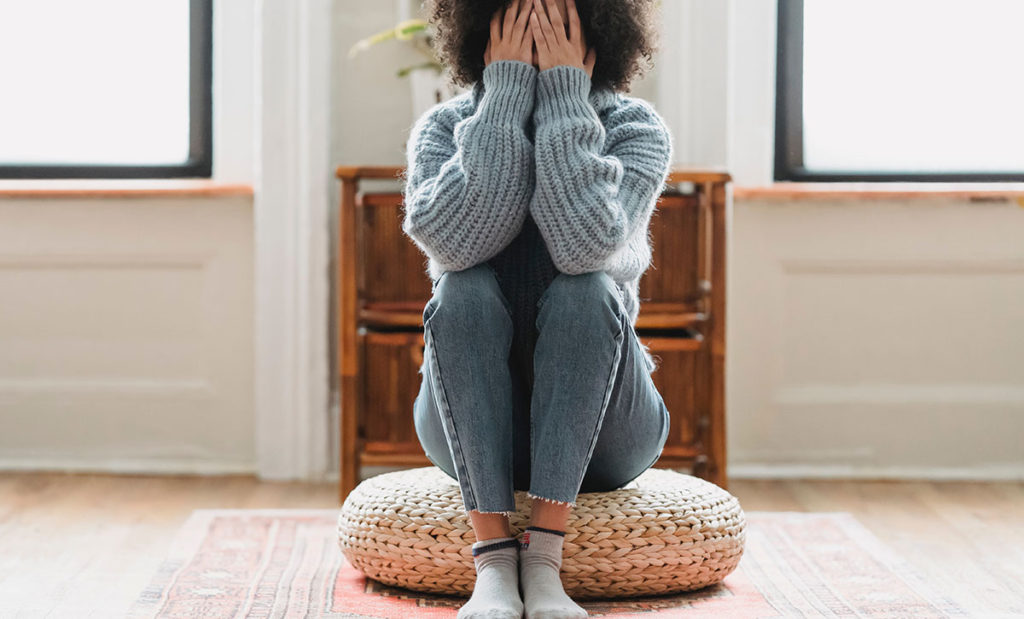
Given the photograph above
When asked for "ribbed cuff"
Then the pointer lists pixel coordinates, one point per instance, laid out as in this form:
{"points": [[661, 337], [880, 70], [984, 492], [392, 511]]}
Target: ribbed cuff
{"points": [[562, 90], [509, 90], [481, 546]]}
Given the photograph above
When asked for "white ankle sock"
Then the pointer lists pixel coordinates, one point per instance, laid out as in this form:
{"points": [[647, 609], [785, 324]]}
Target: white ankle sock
{"points": [[496, 591], [540, 561]]}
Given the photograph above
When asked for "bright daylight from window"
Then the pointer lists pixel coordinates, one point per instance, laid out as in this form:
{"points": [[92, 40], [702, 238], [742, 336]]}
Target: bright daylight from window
{"points": [[103, 82], [914, 85]]}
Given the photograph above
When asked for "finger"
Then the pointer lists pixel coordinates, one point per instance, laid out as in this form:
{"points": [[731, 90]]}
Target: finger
{"points": [[538, 33], [545, 24], [575, 32], [495, 31], [510, 19], [539, 11], [527, 41], [522, 25], [555, 17]]}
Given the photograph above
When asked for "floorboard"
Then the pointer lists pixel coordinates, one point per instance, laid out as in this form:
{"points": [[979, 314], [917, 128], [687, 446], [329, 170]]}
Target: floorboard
{"points": [[84, 545]]}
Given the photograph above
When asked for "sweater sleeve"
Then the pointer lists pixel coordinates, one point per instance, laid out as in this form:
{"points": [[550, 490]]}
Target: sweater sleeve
{"points": [[596, 187], [469, 179]]}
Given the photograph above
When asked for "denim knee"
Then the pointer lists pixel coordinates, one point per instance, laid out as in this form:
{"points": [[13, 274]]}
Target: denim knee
{"points": [[595, 291], [469, 297]]}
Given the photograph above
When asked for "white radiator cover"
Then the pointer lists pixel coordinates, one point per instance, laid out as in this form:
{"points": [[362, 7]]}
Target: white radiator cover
{"points": [[126, 334], [876, 339]]}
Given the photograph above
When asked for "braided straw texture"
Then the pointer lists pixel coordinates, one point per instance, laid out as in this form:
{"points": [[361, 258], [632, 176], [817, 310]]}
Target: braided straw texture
{"points": [[664, 532]]}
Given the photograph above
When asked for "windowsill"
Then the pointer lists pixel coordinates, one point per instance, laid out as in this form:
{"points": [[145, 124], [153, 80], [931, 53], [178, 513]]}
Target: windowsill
{"points": [[982, 192], [119, 188]]}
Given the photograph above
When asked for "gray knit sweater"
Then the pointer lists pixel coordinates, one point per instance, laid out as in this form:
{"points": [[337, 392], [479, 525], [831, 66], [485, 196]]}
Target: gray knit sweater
{"points": [[536, 173]]}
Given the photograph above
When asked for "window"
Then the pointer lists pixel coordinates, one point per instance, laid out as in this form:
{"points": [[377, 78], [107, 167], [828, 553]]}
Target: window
{"points": [[105, 89], [914, 90]]}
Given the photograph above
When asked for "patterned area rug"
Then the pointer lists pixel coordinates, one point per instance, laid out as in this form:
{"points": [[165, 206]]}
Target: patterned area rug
{"points": [[287, 563]]}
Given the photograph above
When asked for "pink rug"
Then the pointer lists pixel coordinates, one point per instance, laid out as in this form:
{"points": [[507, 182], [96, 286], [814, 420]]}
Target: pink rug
{"points": [[287, 563]]}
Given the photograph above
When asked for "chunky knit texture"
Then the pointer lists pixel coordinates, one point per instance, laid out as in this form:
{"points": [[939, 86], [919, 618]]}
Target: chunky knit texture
{"points": [[570, 172]]}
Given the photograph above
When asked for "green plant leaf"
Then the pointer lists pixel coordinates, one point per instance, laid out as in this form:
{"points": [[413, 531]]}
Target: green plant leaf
{"points": [[403, 31]]}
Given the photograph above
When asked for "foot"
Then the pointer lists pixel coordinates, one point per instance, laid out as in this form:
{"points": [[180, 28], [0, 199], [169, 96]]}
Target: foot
{"points": [[540, 561], [496, 591]]}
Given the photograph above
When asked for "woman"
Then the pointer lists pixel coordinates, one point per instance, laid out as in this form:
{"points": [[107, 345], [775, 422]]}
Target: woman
{"points": [[531, 197]]}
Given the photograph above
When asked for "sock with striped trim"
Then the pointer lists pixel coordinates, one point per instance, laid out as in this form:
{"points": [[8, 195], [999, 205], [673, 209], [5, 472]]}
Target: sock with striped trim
{"points": [[540, 561], [496, 591]]}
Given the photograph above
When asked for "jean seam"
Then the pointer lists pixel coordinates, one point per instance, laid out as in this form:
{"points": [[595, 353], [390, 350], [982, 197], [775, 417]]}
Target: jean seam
{"points": [[641, 350], [616, 362], [446, 410], [531, 437], [425, 315], [501, 293], [435, 282], [544, 295]]}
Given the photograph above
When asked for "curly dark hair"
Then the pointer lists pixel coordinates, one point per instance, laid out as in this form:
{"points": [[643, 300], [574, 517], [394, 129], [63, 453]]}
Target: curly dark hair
{"points": [[622, 33]]}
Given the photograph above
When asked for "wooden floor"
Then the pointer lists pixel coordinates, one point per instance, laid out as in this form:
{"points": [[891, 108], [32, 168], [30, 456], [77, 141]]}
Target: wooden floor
{"points": [[83, 545]]}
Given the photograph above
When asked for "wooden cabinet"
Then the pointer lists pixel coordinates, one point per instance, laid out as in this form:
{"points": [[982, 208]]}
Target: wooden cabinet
{"points": [[382, 288], [390, 382]]}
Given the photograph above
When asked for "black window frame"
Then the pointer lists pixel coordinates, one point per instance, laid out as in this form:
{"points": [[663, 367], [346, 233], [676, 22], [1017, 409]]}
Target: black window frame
{"points": [[789, 156], [199, 163]]}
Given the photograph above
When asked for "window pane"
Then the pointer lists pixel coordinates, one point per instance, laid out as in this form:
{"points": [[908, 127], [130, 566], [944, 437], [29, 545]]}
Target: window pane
{"points": [[914, 85], [94, 83]]}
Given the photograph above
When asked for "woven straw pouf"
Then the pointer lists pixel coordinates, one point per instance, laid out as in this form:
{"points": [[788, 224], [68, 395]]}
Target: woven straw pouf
{"points": [[664, 532]]}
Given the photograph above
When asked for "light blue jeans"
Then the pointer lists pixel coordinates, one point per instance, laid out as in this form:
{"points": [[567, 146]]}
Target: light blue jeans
{"points": [[573, 410]]}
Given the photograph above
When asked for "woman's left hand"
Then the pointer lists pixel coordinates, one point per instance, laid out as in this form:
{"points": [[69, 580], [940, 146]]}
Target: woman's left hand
{"points": [[554, 47]]}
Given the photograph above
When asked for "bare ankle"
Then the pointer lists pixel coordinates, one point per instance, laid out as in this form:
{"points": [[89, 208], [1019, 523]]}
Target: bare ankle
{"points": [[549, 515], [490, 525]]}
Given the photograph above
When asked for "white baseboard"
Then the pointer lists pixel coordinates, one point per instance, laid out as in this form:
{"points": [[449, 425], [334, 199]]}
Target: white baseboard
{"points": [[835, 472], [736, 471], [125, 466], [1005, 472]]}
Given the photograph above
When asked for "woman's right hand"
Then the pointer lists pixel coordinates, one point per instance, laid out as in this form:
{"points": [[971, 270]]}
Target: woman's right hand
{"points": [[511, 37]]}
